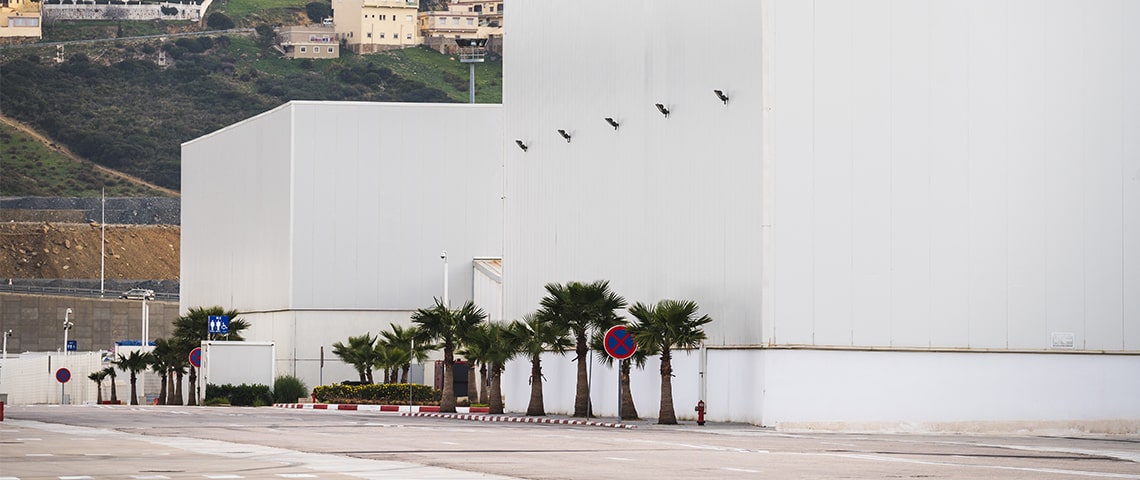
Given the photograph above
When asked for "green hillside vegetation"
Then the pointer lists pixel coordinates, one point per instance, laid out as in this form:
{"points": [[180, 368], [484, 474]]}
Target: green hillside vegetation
{"points": [[32, 169], [110, 102]]}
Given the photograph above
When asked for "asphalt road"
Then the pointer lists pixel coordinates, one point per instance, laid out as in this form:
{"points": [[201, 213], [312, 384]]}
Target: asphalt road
{"points": [[152, 442]]}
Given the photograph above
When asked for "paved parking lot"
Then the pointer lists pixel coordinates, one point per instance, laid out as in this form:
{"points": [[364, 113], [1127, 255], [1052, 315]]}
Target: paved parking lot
{"points": [[150, 442]]}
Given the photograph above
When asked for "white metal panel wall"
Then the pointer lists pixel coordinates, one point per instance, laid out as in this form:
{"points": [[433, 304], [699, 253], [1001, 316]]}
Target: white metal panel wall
{"points": [[949, 174], [661, 207], [381, 190], [235, 215]]}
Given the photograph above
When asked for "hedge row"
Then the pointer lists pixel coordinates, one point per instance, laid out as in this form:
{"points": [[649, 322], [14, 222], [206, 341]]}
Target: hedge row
{"points": [[241, 395], [377, 394]]}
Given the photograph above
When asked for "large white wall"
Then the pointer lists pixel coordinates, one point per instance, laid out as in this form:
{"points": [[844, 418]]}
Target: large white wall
{"points": [[341, 206], [956, 174], [661, 207]]}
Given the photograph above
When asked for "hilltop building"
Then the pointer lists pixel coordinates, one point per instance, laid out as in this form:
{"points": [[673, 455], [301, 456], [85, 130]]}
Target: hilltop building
{"points": [[917, 215], [369, 26], [463, 19], [310, 41], [20, 19]]}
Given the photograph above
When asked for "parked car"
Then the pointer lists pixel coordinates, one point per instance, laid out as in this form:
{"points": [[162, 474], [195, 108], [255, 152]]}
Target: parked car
{"points": [[138, 294]]}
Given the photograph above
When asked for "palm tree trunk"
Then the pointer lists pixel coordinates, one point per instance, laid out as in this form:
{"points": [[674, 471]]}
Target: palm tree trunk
{"points": [[134, 391], [472, 383], [407, 373], [162, 390], [114, 393], [535, 407], [178, 387], [628, 408], [99, 393], [483, 394], [447, 399], [496, 400], [667, 416], [582, 393], [193, 398], [363, 376], [170, 389]]}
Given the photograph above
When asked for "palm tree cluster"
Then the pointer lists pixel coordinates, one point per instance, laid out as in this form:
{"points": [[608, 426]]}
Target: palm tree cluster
{"points": [[571, 316], [170, 357]]}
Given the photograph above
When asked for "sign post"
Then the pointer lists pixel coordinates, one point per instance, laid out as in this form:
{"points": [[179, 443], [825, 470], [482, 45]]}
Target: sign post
{"points": [[62, 376], [620, 345]]}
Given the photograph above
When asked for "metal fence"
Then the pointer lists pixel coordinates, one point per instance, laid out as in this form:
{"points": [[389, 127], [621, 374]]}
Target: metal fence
{"points": [[76, 292]]}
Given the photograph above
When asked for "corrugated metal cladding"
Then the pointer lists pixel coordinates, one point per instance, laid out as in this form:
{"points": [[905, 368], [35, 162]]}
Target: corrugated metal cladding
{"points": [[945, 173], [663, 207], [343, 206]]}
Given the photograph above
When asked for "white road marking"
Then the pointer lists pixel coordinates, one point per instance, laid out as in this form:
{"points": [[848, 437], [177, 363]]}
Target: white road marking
{"points": [[218, 477], [38, 455], [97, 455], [296, 475], [150, 477], [995, 467], [9, 478], [449, 443], [745, 470], [77, 477], [29, 439], [620, 459]]}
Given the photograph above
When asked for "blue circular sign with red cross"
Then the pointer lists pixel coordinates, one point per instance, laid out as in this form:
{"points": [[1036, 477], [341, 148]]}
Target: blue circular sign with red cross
{"points": [[63, 375], [196, 357], [619, 343]]}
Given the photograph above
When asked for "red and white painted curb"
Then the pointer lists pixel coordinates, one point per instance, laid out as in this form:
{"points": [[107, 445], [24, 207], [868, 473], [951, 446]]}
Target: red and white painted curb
{"points": [[463, 413], [504, 418], [376, 408]]}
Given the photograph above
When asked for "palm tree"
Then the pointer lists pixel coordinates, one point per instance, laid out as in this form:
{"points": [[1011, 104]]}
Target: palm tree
{"points": [[535, 335], [405, 339], [111, 372], [194, 327], [639, 357], [179, 362], [97, 377], [157, 362], [360, 353], [448, 327], [136, 362], [669, 324], [474, 350], [496, 346], [579, 307]]}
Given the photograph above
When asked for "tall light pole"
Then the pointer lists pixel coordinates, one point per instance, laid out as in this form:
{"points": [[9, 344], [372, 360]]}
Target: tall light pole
{"points": [[446, 303], [102, 242], [6, 335], [66, 327]]}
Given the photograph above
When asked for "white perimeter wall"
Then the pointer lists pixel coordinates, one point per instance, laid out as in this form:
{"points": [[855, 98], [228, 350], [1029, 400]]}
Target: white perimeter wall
{"points": [[956, 174]]}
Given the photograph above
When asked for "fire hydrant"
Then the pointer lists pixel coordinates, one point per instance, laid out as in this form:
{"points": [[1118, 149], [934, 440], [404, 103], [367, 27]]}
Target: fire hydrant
{"points": [[700, 412]]}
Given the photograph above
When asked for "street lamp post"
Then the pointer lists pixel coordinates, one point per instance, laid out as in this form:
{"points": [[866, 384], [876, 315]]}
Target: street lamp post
{"points": [[6, 335], [66, 327]]}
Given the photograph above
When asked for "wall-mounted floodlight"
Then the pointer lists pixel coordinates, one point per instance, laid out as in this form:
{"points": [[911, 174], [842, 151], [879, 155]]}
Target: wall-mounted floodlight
{"points": [[661, 108], [720, 94], [612, 122], [521, 144], [564, 135]]}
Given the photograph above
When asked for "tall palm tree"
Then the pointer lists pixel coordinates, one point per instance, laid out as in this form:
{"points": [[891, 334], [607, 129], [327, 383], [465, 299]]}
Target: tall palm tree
{"points": [[639, 357], [134, 363], [179, 363], [535, 335], [667, 325], [160, 363], [111, 372], [579, 308], [97, 377], [447, 327], [360, 353], [194, 327], [474, 349]]}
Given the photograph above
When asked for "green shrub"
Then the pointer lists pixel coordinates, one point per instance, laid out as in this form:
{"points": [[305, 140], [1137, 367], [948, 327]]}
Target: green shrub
{"points": [[241, 395], [383, 394], [287, 389]]}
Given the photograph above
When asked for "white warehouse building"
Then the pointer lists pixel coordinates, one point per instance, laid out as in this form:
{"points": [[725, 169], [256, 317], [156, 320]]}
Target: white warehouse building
{"points": [[923, 214]]}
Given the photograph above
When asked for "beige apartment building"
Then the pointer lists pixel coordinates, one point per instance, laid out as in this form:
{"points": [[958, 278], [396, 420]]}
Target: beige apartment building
{"points": [[311, 41], [20, 19], [463, 19], [368, 26]]}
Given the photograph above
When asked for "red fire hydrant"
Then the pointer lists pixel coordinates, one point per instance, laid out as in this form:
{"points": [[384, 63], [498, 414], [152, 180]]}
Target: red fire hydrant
{"points": [[700, 412]]}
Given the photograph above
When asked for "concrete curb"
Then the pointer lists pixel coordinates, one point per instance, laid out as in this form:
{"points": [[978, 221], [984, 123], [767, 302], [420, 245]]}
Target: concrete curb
{"points": [[504, 418], [463, 413]]}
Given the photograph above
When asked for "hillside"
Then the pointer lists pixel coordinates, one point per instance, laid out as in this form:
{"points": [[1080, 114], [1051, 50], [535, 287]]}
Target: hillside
{"points": [[116, 104], [71, 251]]}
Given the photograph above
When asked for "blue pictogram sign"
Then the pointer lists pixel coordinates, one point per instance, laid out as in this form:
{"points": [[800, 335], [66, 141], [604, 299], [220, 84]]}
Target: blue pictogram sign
{"points": [[72, 345], [62, 375], [619, 343], [219, 324]]}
